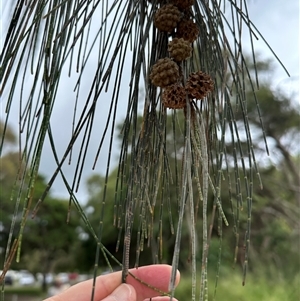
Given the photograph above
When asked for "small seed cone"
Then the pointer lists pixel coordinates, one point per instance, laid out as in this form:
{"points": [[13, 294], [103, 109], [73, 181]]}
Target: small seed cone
{"points": [[179, 49], [188, 30], [167, 18], [183, 4], [199, 84], [164, 73], [174, 97]]}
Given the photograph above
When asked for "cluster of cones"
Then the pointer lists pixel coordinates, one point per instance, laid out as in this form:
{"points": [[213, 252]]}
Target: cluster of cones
{"points": [[175, 18]]}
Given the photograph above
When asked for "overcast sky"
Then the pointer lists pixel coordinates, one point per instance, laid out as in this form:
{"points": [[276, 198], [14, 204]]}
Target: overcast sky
{"points": [[278, 22]]}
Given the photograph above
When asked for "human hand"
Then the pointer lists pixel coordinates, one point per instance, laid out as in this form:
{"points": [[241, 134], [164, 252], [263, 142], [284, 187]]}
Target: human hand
{"points": [[110, 288]]}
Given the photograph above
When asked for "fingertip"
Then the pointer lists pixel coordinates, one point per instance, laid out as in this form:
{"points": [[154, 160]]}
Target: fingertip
{"points": [[177, 280], [124, 292], [164, 298], [155, 279]]}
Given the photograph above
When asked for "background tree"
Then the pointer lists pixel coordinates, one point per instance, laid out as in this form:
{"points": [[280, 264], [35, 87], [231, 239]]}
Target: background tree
{"points": [[276, 223], [275, 211], [10, 169], [45, 248]]}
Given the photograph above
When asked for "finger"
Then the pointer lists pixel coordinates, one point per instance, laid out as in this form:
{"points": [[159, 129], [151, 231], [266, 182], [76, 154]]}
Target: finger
{"points": [[157, 276], [83, 290], [124, 292], [165, 298]]}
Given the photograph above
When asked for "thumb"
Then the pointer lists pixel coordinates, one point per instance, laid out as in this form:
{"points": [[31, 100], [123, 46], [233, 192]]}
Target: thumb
{"points": [[124, 292]]}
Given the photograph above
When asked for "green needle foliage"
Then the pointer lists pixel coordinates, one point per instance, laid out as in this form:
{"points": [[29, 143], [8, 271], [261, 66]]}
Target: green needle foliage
{"points": [[48, 40]]}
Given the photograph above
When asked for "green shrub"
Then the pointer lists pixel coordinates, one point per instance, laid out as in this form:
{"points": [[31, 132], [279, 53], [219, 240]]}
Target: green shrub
{"points": [[230, 288]]}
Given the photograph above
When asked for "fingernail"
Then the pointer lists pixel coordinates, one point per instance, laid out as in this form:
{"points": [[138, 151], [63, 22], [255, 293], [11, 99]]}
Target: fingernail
{"points": [[177, 279], [124, 292]]}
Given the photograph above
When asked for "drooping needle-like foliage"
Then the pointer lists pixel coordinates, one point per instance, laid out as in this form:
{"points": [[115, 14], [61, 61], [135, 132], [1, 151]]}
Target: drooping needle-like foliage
{"points": [[187, 59]]}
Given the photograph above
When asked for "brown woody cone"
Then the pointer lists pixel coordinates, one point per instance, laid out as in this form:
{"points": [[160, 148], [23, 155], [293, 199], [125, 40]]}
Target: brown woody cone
{"points": [[199, 84], [164, 73], [183, 4], [167, 18], [188, 30], [179, 49], [174, 97]]}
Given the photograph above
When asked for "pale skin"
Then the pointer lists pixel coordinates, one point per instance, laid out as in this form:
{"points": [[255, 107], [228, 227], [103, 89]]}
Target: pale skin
{"points": [[110, 287]]}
